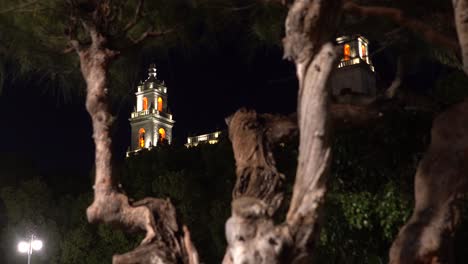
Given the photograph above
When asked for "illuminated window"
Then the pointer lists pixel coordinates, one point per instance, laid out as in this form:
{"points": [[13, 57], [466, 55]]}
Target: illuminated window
{"points": [[160, 104], [363, 51], [141, 137], [162, 133], [145, 103], [346, 52]]}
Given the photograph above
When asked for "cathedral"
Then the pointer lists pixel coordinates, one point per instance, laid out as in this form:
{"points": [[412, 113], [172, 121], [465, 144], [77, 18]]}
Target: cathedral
{"points": [[355, 73], [151, 121]]}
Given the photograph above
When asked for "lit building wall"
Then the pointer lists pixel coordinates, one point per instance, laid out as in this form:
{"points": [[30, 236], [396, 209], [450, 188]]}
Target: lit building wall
{"points": [[355, 72], [149, 134], [154, 118], [210, 138]]}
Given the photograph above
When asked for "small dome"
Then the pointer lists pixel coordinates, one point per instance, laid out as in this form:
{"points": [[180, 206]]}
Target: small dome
{"points": [[152, 81]]}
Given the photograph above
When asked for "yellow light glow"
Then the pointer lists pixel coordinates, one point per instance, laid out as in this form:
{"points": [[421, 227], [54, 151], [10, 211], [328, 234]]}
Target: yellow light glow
{"points": [[145, 103], [363, 51], [160, 104], [141, 137], [346, 51], [162, 133]]}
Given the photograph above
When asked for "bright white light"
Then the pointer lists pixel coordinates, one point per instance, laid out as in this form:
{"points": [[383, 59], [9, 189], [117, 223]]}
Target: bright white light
{"points": [[23, 247], [36, 245]]}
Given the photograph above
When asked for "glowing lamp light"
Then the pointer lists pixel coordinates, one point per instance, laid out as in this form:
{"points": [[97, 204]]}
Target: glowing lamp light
{"points": [[36, 245], [23, 247], [27, 247]]}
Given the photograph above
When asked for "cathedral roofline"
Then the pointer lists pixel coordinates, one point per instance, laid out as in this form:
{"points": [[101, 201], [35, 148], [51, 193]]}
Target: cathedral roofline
{"points": [[152, 80]]}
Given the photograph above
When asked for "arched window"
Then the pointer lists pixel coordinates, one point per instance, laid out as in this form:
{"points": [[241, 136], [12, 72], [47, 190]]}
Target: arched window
{"points": [[162, 133], [141, 137], [346, 52], [159, 104], [363, 51], [145, 103]]}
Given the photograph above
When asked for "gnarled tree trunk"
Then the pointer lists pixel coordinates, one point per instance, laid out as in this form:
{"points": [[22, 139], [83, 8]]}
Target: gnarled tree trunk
{"points": [[251, 233], [460, 8], [164, 242], [441, 179]]}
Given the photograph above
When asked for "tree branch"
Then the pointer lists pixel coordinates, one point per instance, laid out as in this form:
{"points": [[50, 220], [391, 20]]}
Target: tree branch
{"points": [[72, 35], [392, 89], [461, 21], [440, 183], [250, 231], [150, 34], [136, 17], [441, 179], [164, 241], [190, 248], [258, 191], [19, 6], [398, 17], [68, 49], [309, 191]]}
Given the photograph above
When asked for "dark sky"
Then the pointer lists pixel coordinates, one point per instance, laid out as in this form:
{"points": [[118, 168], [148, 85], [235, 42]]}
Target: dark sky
{"points": [[203, 90]]}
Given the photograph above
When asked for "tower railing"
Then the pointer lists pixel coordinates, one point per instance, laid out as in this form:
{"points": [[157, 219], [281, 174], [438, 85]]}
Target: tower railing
{"points": [[353, 61], [150, 112]]}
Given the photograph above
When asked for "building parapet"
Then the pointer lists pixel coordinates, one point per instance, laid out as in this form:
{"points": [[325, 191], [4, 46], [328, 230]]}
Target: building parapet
{"points": [[210, 138], [150, 112], [354, 61]]}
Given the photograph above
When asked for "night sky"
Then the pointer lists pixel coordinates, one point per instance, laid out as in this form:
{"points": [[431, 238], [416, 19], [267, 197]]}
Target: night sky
{"points": [[204, 88]]}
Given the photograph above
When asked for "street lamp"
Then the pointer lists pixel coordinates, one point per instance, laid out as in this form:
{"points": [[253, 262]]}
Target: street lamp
{"points": [[28, 246]]}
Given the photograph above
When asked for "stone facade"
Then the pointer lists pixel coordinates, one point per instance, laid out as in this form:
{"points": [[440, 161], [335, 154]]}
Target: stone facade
{"points": [[151, 121], [355, 72], [210, 138]]}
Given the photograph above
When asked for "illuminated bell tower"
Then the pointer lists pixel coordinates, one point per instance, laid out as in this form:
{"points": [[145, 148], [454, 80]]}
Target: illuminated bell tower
{"points": [[355, 72], [151, 122]]}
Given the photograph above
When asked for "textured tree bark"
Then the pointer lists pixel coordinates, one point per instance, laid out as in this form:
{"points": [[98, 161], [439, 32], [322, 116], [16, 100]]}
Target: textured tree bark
{"points": [[441, 179], [164, 241], [311, 24], [309, 191], [251, 233], [460, 8]]}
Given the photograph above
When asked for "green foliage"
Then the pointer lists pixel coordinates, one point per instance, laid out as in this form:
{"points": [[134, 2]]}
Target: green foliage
{"points": [[198, 181], [370, 197], [29, 209], [392, 209], [94, 243], [371, 187], [268, 25], [34, 37]]}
